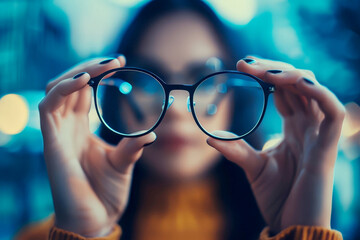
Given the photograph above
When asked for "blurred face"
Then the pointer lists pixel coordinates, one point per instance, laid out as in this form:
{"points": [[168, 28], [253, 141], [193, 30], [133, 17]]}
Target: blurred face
{"points": [[177, 44]]}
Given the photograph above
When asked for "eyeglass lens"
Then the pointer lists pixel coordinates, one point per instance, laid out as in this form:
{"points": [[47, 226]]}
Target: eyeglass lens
{"points": [[229, 96], [130, 101]]}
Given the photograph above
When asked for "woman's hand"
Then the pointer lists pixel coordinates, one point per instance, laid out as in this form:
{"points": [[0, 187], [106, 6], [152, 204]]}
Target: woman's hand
{"points": [[293, 181], [90, 180]]}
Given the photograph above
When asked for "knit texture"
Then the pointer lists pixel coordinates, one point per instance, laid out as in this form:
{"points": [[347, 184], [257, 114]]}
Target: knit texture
{"points": [[302, 233], [59, 234], [290, 233]]}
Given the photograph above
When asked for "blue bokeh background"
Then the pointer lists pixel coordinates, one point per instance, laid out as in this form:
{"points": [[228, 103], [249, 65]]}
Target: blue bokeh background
{"points": [[41, 38]]}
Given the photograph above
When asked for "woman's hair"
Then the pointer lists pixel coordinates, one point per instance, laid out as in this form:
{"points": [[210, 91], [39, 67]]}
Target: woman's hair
{"points": [[243, 219]]}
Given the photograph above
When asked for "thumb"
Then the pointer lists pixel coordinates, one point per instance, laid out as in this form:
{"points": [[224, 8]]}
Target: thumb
{"points": [[240, 153], [128, 151]]}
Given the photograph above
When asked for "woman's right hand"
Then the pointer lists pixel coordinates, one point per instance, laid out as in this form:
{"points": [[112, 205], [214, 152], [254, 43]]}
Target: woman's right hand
{"points": [[90, 179]]}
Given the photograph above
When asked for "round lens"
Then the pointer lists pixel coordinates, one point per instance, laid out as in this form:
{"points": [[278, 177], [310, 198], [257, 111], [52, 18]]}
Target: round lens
{"points": [[130, 102], [225, 97]]}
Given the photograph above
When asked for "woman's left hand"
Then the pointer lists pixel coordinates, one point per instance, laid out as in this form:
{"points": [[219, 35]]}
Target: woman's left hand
{"points": [[293, 181]]}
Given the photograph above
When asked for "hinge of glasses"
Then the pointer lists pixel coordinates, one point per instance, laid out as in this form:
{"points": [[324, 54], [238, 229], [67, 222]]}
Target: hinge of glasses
{"points": [[271, 89], [91, 82]]}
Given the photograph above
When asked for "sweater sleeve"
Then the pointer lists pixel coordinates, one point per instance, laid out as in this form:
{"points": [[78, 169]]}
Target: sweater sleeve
{"points": [[60, 234], [290, 233], [302, 233], [45, 230], [36, 231]]}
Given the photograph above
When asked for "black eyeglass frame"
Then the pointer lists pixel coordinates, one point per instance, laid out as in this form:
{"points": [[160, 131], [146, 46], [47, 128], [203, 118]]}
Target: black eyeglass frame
{"points": [[267, 88]]}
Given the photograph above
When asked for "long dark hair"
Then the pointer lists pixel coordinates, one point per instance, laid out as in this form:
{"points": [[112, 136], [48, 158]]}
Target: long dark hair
{"points": [[243, 219]]}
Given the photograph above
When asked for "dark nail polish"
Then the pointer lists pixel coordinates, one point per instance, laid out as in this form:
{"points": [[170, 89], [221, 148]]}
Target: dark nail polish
{"points": [[275, 71], [106, 61], [249, 60], [78, 75], [308, 81], [147, 144]]}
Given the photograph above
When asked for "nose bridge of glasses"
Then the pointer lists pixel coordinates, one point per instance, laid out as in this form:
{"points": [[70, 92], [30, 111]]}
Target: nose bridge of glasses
{"points": [[185, 87], [179, 95]]}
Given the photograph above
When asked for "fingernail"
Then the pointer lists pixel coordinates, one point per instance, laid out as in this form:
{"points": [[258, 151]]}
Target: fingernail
{"points": [[106, 61], [78, 75], [249, 60], [148, 144], [275, 71], [308, 81]]}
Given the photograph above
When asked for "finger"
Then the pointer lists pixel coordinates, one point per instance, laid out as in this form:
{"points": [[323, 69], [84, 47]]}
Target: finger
{"points": [[260, 66], [241, 154], [333, 110], [281, 103], [60, 93], [122, 60], [70, 103], [55, 100], [128, 151], [295, 102], [313, 109], [83, 102], [271, 62], [286, 78], [94, 67]]}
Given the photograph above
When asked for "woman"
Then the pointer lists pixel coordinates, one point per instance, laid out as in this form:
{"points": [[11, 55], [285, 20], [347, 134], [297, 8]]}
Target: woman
{"points": [[182, 188]]}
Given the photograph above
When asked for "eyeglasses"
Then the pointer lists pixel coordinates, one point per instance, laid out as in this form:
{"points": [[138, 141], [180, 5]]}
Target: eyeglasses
{"points": [[132, 101]]}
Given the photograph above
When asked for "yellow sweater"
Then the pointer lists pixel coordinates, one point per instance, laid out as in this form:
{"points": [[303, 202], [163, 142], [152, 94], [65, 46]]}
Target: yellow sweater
{"points": [[185, 212]]}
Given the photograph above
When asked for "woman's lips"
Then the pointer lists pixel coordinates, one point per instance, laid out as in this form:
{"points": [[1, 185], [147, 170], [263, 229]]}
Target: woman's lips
{"points": [[175, 142]]}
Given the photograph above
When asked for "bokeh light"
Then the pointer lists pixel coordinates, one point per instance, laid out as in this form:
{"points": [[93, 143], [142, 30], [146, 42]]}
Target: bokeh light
{"points": [[14, 114], [238, 12], [351, 124]]}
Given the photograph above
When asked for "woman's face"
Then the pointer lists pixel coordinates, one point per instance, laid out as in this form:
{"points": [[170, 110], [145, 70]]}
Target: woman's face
{"points": [[176, 43]]}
